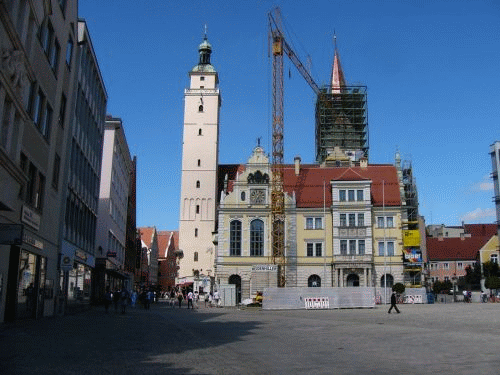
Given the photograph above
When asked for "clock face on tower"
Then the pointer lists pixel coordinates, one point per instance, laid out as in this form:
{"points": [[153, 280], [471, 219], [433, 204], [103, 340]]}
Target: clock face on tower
{"points": [[257, 196]]}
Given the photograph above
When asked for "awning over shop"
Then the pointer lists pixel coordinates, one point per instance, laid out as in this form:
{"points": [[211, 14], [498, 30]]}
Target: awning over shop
{"points": [[184, 284]]}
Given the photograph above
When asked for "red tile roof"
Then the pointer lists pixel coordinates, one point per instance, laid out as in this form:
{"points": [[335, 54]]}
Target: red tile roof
{"points": [[308, 185], [146, 234], [481, 229], [167, 240], [454, 248]]}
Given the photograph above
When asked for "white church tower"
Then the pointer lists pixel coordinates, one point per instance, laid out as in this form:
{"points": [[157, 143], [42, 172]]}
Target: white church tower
{"points": [[200, 157]]}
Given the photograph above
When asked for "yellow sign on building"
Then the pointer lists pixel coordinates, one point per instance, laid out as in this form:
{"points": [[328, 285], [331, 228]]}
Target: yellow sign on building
{"points": [[411, 238]]}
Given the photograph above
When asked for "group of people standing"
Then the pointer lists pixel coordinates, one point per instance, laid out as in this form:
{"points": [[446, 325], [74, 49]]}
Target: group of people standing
{"points": [[122, 298]]}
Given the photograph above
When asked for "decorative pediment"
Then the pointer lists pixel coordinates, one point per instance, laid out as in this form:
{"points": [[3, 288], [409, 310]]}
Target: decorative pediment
{"points": [[258, 178]]}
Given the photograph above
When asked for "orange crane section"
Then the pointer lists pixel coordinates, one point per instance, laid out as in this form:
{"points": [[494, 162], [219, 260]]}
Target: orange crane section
{"points": [[279, 48]]}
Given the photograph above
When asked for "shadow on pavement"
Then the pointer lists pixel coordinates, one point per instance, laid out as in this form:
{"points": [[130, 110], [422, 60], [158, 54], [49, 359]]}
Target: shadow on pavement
{"points": [[161, 340]]}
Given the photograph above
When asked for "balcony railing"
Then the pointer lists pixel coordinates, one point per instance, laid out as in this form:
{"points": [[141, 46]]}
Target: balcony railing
{"points": [[353, 258]]}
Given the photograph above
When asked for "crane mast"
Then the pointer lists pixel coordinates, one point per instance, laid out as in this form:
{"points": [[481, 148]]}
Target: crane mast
{"points": [[279, 48]]}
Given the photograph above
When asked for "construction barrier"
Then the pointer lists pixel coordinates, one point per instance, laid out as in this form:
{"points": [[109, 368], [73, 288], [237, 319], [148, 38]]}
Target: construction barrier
{"points": [[318, 298]]}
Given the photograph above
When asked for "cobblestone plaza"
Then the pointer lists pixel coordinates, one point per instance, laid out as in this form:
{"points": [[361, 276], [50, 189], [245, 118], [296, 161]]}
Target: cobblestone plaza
{"points": [[424, 339]]}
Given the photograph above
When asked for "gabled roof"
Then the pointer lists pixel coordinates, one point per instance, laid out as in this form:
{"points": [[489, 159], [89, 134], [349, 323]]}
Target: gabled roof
{"points": [[147, 234], [313, 182], [454, 248], [167, 239], [481, 229]]}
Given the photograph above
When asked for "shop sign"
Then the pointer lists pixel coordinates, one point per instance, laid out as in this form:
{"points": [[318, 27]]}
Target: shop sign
{"points": [[67, 256], [412, 256], [11, 234], [111, 254], [30, 217], [82, 255], [33, 242], [265, 267], [411, 238]]}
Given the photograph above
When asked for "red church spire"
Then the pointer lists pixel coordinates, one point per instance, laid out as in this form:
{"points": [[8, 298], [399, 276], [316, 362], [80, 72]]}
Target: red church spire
{"points": [[337, 81]]}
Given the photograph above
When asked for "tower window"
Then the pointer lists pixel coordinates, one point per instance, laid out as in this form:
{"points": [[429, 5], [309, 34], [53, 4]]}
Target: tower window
{"points": [[195, 256], [199, 132], [202, 78], [197, 208], [197, 184], [196, 232], [200, 108], [199, 162]]}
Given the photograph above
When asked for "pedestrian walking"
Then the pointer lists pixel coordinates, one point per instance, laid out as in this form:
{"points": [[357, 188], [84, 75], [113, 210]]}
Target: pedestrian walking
{"points": [[190, 299], [108, 298], [216, 298], [393, 303], [179, 298], [133, 298], [116, 299], [124, 300]]}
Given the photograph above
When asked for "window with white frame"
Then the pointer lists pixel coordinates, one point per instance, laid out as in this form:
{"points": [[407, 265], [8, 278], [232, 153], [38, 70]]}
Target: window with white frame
{"points": [[351, 196], [352, 220], [385, 222], [386, 248], [361, 220], [343, 220], [446, 266], [359, 195], [434, 266], [352, 247], [361, 247], [342, 195], [314, 249], [343, 247], [446, 278], [314, 223], [460, 265], [494, 258]]}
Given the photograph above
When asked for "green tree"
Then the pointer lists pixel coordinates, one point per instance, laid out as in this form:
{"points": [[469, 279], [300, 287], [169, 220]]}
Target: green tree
{"points": [[473, 276], [398, 288], [490, 269], [442, 286], [492, 282]]}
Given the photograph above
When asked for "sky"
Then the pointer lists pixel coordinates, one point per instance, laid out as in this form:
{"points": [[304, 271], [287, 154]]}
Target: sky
{"points": [[431, 69]]}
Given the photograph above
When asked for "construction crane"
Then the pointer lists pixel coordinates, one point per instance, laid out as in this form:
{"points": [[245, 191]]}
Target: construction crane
{"points": [[279, 47]]}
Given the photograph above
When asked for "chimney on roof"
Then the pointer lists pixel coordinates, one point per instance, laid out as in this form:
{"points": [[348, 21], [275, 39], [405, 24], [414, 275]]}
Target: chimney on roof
{"points": [[363, 162], [297, 161]]}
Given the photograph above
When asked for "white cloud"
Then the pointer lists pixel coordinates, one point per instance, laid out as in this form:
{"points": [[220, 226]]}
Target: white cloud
{"points": [[478, 214], [485, 185]]}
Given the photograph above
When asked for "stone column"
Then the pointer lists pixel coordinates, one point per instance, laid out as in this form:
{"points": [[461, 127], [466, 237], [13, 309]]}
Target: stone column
{"points": [[364, 275]]}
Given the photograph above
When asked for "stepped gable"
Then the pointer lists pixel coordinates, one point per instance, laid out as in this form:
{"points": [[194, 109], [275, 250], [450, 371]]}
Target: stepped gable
{"points": [[454, 248]]}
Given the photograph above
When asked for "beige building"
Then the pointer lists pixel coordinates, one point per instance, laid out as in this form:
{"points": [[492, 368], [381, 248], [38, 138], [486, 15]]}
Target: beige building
{"points": [[335, 235], [37, 80], [199, 170]]}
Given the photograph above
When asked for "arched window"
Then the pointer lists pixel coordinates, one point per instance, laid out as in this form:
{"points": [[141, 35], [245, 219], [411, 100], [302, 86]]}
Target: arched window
{"points": [[198, 184], [197, 208], [199, 162], [314, 281], [196, 232], [195, 256], [199, 131], [390, 281], [243, 195], [257, 238], [235, 238], [200, 108]]}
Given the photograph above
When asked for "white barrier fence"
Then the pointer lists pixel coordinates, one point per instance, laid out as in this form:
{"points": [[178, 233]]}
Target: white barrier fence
{"points": [[317, 303]]}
